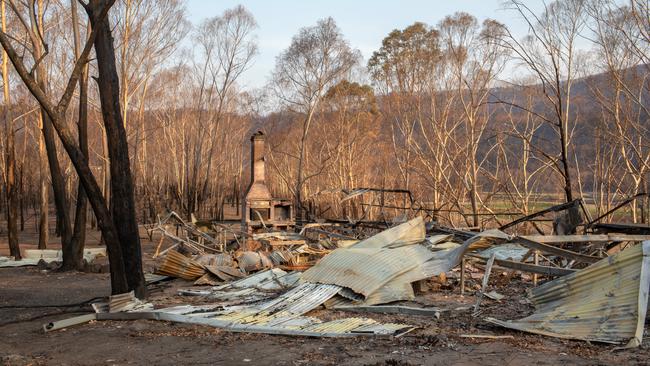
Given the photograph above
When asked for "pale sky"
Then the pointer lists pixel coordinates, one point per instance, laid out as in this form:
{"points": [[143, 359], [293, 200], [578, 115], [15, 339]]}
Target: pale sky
{"points": [[364, 23]]}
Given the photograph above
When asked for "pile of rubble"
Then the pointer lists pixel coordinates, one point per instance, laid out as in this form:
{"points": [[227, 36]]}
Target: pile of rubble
{"points": [[596, 285]]}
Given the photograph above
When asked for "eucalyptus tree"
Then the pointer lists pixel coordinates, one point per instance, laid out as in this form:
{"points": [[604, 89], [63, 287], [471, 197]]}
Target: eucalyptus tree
{"points": [[475, 60], [317, 58], [118, 225], [621, 51], [550, 53], [404, 72], [225, 46]]}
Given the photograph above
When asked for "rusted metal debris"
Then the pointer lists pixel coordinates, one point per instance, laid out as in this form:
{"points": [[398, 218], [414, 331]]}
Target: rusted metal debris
{"points": [[606, 302], [355, 267]]}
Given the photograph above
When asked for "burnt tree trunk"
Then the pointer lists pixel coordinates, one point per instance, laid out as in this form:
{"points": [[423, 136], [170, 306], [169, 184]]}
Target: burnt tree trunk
{"points": [[12, 189], [122, 198], [75, 254], [10, 159], [44, 194], [63, 226], [58, 183], [56, 112]]}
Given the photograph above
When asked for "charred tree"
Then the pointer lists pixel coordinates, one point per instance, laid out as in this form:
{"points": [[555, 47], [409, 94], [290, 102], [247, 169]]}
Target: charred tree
{"points": [[122, 201], [56, 111], [73, 258]]}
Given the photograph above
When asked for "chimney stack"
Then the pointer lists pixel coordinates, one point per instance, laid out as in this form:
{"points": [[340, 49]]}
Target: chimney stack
{"points": [[257, 158], [257, 189], [259, 208]]}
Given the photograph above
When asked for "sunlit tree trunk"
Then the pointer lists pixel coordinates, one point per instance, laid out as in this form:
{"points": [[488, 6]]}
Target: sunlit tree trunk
{"points": [[10, 157]]}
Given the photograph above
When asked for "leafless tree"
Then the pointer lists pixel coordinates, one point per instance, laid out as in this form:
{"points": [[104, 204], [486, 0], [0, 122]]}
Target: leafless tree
{"points": [[621, 51], [126, 270], [475, 60], [10, 156], [403, 72], [317, 58], [550, 52]]}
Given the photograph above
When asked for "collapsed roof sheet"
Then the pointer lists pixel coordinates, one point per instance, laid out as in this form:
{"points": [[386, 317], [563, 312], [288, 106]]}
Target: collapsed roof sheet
{"points": [[365, 270], [382, 267], [399, 288], [368, 265], [281, 315], [178, 265], [410, 232], [605, 302]]}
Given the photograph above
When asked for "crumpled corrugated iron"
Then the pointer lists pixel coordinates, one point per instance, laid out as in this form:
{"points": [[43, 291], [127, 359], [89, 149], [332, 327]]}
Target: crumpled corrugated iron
{"points": [[281, 315], [178, 265], [605, 302], [382, 267], [256, 287], [365, 270], [410, 232]]}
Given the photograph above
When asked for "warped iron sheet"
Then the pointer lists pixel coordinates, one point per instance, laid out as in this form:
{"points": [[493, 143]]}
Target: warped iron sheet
{"points": [[365, 270], [509, 251], [291, 304], [382, 268], [282, 315], [302, 326], [410, 232], [605, 302], [399, 288], [256, 287], [369, 264], [178, 265]]}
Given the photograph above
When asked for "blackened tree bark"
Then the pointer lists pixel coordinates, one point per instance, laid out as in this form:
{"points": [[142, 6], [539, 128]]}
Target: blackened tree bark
{"points": [[122, 201], [58, 182], [57, 111], [73, 258]]}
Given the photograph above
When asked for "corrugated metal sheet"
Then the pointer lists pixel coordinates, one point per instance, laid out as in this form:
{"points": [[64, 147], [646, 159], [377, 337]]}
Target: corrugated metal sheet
{"points": [[291, 304], [285, 313], [605, 302], [513, 252], [127, 302], [255, 279], [281, 315], [252, 288], [340, 325], [302, 326], [365, 270], [437, 239], [282, 282], [178, 265], [399, 288], [410, 232], [220, 259], [382, 270]]}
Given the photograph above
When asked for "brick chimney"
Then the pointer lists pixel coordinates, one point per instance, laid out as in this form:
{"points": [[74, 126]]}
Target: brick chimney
{"points": [[257, 189]]}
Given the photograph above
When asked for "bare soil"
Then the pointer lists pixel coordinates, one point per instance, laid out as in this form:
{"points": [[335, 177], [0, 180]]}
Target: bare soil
{"points": [[31, 297]]}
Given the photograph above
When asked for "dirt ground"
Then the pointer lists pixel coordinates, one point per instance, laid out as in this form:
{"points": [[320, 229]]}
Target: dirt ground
{"points": [[32, 296]]}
